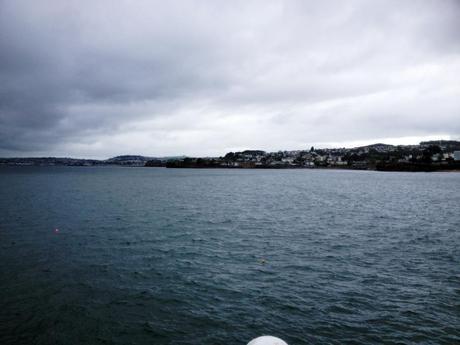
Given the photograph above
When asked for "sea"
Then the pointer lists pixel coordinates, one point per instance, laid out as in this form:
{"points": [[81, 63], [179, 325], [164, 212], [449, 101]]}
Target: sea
{"points": [[113, 255]]}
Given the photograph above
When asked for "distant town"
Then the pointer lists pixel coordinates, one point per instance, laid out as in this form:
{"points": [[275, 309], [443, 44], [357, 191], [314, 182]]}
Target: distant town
{"points": [[427, 156]]}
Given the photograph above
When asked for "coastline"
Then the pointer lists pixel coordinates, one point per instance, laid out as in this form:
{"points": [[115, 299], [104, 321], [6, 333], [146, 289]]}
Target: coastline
{"points": [[429, 156]]}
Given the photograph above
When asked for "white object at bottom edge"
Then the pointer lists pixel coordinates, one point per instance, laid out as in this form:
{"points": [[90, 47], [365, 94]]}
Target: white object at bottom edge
{"points": [[267, 340]]}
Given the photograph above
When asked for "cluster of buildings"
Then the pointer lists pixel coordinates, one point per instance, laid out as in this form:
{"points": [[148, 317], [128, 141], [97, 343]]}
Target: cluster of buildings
{"points": [[365, 157], [297, 158]]}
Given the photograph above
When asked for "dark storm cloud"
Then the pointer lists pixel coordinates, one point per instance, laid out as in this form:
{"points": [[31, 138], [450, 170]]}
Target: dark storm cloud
{"points": [[99, 78]]}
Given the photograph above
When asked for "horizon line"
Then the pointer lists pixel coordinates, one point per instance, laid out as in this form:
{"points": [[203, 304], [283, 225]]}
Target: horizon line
{"points": [[210, 156]]}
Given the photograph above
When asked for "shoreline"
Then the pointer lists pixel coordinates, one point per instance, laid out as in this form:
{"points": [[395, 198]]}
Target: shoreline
{"points": [[230, 168]]}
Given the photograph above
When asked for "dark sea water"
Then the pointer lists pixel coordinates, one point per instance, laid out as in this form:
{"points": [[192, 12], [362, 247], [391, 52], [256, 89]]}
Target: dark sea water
{"points": [[163, 256]]}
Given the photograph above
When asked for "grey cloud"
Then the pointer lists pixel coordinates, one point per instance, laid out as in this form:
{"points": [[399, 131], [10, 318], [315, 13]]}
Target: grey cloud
{"points": [[201, 77]]}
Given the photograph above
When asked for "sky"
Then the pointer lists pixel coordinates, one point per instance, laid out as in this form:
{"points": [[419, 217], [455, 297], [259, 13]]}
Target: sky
{"points": [[95, 79]]}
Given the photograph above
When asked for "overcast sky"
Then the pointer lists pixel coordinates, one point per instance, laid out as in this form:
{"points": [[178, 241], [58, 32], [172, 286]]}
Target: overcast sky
{"points": [[103, 78]]}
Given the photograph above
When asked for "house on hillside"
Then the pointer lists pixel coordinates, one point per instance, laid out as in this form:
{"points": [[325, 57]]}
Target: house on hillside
{"points": [[456, 155]]}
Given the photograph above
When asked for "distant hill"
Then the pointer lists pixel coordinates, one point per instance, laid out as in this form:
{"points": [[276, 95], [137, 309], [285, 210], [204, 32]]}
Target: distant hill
{"points": [[50, 161], [445, 145], [140, 161], [128, 160], [379, 145], [124, 160]]}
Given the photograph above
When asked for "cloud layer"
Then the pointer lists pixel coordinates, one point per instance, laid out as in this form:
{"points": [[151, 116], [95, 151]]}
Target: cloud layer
{"points": [[95, 79]]}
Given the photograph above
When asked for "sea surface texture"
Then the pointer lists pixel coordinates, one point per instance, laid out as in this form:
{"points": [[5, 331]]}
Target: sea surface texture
{"points": [[163, 256]]}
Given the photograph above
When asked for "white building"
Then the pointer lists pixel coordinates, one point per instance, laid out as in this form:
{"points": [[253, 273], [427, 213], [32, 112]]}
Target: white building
{"points": [[457, 155], [289, 160]]}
